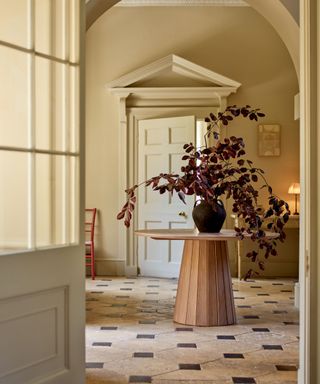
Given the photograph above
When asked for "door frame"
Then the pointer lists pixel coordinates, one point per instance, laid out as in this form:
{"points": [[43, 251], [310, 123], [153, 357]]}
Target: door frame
{"points": [[134, 115], [309, 90]]}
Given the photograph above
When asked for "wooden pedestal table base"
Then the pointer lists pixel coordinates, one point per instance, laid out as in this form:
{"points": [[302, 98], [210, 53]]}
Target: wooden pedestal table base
{"points": [[204, 295]]}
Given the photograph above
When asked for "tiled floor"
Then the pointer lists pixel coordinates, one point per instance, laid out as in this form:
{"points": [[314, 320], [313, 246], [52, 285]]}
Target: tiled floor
{"points": [[131, 336]]}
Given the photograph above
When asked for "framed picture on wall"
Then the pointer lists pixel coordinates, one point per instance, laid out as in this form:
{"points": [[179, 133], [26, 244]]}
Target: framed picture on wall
{"points": [[269, 140]]}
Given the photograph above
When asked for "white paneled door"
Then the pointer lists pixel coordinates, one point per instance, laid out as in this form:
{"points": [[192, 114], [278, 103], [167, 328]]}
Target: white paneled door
{"points": [[160, 151], [41, 203]]}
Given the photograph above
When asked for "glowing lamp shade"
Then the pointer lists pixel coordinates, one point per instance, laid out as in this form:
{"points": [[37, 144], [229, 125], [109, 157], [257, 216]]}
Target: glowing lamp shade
{"points": [[294, 189]]}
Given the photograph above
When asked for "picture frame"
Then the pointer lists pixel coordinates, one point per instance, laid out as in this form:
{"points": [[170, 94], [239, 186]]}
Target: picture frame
{"points": [[269, 140]]}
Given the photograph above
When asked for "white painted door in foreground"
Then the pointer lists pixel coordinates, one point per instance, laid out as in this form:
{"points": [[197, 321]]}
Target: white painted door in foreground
{"points": [[160, 150], [41, 252]]}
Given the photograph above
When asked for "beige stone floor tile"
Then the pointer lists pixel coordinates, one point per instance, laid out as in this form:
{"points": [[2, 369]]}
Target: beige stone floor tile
{"points": [[236, 329], [266, 338], [182, 337], [106, 354], [238, 368], [156, 329], [156, 380], [105, 376], [141, 366], [278, 378], [228, 346], [189, 355], [145, 345], [112, 336], [272, 356], [192, 376]]}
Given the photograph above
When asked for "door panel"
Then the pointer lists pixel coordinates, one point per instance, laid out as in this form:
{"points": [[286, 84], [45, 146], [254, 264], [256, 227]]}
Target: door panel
{"points": [[160, 150], [41, 253]]}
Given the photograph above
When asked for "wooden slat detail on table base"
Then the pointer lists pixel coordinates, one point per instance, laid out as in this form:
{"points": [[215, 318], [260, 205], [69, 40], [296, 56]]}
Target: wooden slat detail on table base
{"points": [[204, 295]]}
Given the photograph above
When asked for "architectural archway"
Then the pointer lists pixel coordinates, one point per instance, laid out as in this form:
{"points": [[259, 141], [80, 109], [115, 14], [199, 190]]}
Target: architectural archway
{"points": [[273, 11]]}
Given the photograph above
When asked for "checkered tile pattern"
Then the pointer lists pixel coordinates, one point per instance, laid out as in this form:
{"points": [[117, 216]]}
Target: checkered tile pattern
{"points": [[131, 337]]}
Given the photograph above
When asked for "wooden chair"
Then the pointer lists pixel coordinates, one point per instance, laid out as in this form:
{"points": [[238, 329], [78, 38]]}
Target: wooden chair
{"points": [[90, 219]]}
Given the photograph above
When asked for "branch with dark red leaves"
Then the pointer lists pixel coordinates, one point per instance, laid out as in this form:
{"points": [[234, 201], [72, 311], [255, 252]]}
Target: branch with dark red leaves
{"points": [[222, 170]]}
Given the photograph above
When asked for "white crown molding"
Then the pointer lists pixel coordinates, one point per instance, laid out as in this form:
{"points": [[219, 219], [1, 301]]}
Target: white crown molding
{"points": [[174, 3], [176, 64], [175, 92]]}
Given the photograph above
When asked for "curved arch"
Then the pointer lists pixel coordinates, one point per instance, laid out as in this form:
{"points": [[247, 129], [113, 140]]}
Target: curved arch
{"points": [[284, 24], [272, 10]]}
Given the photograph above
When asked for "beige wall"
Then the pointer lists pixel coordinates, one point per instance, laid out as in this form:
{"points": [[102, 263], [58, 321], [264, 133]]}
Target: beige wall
{"points": [[236, 42]]}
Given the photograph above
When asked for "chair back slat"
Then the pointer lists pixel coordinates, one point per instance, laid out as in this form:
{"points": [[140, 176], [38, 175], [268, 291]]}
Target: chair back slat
{"points": [[90, 221]]}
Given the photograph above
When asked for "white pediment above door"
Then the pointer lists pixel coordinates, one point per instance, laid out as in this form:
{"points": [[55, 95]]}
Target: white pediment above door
{"points": [[174, 77], [173, 67]]}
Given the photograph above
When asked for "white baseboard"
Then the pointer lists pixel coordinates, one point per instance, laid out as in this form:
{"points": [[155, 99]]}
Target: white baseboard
{"points": [[105, 267], [131, 271]]}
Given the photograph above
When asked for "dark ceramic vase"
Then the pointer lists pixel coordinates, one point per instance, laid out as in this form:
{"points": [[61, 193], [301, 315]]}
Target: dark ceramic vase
{"points": [[209, 217]]}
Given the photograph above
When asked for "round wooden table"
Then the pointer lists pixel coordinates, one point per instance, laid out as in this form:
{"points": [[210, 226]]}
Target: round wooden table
{"points": [[204, 295]]}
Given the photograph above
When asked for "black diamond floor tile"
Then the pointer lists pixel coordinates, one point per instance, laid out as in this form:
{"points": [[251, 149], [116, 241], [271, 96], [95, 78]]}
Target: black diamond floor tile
{"points": [[193, 367], [184, 329], [286, 368], [145, 336], [94, 365], [272, 347], [233, 356], [140, 379], [261, 329], [186, 345], [279, 312], [143, 354], [102, 344], [243, 380], [226, 337]]}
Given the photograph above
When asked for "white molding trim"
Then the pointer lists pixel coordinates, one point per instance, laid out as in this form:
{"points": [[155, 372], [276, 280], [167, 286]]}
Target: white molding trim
{"points": [[174, 3], [152, 98], [176, 64], [175, 92], [135, 114]]}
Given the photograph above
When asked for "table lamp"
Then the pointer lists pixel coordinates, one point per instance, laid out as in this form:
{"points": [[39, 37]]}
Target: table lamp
{"points": [[294, 189]]}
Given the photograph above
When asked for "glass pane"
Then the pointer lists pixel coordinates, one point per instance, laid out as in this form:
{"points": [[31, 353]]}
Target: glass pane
{"points": [[13, 201], [50, 200], [51, 94], [74, 30], [14, 22], [51, 30], [74, 199], [74, 110], [14, 97]]}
